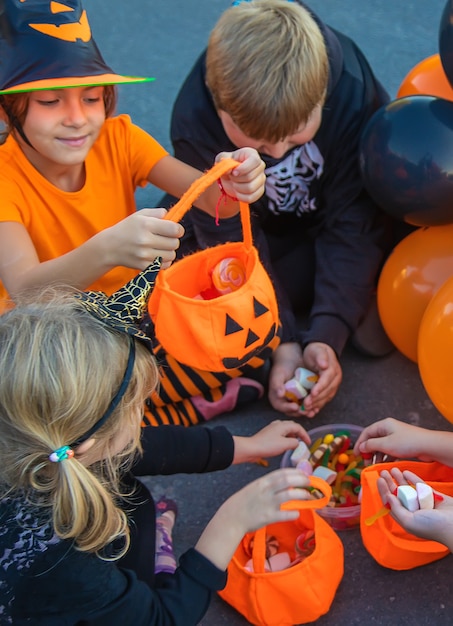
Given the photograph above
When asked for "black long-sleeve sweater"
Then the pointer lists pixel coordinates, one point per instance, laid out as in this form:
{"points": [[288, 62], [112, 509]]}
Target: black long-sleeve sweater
{"points": [[48, 582], [315, 189]]}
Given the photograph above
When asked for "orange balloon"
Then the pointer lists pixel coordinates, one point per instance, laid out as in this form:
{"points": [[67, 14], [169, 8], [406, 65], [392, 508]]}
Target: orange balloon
{"points": [[427, 78], [435, 350], [415, 270]]}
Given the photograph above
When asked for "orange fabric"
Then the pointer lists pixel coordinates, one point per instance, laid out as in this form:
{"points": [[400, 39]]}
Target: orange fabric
{"points": [[299, 594], [387, 542], [227, 331], [58, 221]]}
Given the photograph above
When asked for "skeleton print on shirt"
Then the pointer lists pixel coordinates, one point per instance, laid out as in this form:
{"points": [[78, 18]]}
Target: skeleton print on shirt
{"points": [[288, 182]]}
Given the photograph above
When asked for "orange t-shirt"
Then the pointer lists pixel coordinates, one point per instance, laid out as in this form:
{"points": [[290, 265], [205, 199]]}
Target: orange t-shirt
{"points": [[59, 221]]}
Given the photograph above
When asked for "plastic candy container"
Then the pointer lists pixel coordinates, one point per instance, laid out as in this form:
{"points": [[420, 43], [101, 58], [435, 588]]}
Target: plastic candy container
{"points": [[330, 456]]}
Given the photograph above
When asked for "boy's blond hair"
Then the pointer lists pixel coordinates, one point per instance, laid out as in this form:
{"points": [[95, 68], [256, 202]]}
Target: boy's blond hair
{"points": [[60, 367], [267, 67]]}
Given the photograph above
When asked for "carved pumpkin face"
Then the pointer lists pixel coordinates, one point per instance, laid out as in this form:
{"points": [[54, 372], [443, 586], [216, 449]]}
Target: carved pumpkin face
{"points": [[248, 341], [222, 333]]}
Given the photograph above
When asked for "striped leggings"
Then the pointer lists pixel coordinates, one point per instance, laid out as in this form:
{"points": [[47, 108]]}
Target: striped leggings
{"points": [[171, 403]]}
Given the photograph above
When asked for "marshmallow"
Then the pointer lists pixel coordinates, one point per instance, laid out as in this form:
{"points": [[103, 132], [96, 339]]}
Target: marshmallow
{"points": [[407, 495], [306, 378], [275, 563], [301, 453], [305, 466], [325, 473], [294, 391], [425, 495]]}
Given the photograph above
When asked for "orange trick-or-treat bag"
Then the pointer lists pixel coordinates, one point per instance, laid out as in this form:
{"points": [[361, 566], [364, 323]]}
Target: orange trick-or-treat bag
{"points": [[387, 542], [287, 573], [211, 319]]}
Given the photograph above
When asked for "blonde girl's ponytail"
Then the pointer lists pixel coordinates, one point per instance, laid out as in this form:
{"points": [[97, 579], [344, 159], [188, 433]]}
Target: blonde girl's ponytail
{"points": [[60, 367]]}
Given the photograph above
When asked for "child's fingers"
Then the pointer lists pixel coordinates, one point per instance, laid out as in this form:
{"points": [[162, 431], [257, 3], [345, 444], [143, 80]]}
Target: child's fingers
{"points": [[385, 485], [284, 479], [398, 476], [289, 428], [410, 477]]}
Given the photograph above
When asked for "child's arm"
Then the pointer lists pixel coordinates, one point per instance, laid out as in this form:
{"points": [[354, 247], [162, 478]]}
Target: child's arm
{"points": [[245, 182], [401, 440], [134, 242], [272, 440], [435, 524], [254, 506]]}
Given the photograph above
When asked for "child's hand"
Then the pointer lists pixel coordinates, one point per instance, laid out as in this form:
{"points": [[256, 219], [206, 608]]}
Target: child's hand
{"points": [[286, 359], [317, 357], [393, 438], [258, 503], [137, 240], [435, 524], [254, 506], [246, 181], [272, 440], [321, 358]]}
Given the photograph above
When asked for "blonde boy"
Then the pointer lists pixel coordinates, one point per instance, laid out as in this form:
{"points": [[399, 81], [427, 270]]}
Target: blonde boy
{"points": [[276, 78]]}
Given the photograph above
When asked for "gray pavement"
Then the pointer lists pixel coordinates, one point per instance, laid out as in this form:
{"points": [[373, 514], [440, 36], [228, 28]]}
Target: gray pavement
{"points": [[162, 39]]}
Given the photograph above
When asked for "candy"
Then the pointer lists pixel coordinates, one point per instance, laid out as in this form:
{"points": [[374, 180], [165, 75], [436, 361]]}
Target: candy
{"points": [[306, 378], [367, 458], [421, 496], [318, 454], [425, 495], [299, 386], [306, 467], [333, 458], [315, 444], [272, 545], [301, 453], [275, 563], [228, 275], [407, 495], [416, 497], [325, 473], [294, 391], [305, 543], [343, 458]]}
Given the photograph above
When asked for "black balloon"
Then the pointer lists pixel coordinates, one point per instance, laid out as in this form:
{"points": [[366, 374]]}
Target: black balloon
{"points": [[446, 40], [406, 160]]}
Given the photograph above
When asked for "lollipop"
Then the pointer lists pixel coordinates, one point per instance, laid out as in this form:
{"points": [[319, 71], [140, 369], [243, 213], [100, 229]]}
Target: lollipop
{"points": [[228, 275]]}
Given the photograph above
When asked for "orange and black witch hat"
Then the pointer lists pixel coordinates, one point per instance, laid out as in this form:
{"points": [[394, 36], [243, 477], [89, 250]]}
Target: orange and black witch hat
{"points": [[46, 44]]}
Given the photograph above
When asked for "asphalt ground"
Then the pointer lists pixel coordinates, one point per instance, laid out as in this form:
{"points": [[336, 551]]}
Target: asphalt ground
{"points": [[162, 39]]}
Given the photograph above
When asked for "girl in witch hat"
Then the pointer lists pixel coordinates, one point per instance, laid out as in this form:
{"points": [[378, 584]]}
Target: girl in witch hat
{"points": [[69, 169], [77, 540]]}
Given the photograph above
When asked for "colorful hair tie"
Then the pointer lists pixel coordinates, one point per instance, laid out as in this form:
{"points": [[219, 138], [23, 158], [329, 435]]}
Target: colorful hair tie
{"points": [[63, 453]]}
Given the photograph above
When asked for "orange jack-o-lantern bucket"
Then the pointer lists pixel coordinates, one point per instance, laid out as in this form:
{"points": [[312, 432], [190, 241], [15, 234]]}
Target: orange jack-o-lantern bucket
{"points": [[196, 323], [387, 542]]}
